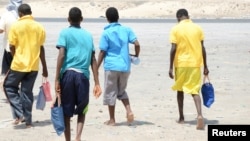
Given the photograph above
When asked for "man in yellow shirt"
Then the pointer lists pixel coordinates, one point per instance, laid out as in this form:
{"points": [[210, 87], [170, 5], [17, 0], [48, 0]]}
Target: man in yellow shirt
{"points": [[187, 55], [26, 39]]}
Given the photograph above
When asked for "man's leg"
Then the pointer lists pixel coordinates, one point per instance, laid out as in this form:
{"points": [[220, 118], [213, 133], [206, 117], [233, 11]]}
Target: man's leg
{"points": [[130, 115], [180, 99], [110, 94], [27, 85], [200, 121], [79, 128], [67, 128], [111, 120], [123, 96], [11, 86]]}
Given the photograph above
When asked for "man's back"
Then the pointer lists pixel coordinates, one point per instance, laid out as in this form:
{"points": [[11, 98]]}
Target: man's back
{"points": [[27, 36], [79, 46], [115, 41], [188, 36]]}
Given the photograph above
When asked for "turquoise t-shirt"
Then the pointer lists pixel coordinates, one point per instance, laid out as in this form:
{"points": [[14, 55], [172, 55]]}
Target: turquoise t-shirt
{"points": [[115, 41], [78, 44]]}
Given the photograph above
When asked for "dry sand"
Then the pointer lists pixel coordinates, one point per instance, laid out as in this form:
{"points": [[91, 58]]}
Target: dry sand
{"points": [[152, 100], [141, 8]]}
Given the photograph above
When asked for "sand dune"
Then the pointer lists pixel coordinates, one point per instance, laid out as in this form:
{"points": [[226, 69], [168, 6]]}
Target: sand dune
{"points": [[142, 8]]}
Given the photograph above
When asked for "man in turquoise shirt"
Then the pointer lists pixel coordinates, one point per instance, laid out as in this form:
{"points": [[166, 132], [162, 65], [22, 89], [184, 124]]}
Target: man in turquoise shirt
{"points": [[76, 55]]}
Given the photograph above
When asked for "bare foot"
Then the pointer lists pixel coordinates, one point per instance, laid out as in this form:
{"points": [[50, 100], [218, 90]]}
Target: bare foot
{"points": [[130, 118], [200, 123], [18, 120], [29, 126], [181, 120], [110, 122]]}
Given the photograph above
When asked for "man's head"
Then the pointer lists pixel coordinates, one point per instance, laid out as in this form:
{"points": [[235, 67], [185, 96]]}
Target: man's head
{"points": [[182, 14], [112, 14], [24, 9], [75, 15]]}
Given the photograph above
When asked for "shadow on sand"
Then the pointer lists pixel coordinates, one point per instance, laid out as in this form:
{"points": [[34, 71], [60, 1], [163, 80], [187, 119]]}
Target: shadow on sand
{"points": [[206, 122], [46, 122], [134, 123]]}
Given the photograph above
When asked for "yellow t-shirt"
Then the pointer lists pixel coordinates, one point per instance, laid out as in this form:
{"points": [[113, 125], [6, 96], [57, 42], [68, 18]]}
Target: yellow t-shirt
{"points": [[27, 36], [187, 36]]}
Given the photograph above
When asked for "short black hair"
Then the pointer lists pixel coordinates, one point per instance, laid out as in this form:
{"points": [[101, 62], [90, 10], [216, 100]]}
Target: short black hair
{"points": [[75, 15], [181, 12], [112, 14], [25, 9]]}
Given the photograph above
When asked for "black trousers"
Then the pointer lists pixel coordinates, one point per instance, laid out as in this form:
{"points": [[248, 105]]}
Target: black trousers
{"points": [[21, 101], [6, 62]]}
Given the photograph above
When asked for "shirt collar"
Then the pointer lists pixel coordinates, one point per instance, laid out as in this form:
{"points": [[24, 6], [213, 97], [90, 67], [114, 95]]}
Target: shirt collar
{"points": [[112, 25], [185, 21], [75, 25], [26, 17]]}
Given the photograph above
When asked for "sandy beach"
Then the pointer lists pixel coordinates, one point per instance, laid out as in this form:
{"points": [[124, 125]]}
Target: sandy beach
{"points": [[141, 8], [153, 102]]}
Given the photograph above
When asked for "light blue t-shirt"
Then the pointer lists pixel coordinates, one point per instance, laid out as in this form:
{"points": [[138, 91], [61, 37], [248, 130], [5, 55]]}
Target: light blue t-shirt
{"points": [[78, 44], [115, 41]]}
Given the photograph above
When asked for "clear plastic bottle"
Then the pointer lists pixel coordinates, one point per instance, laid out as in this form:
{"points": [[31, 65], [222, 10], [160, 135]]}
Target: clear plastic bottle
{"points": [[135, 60]]}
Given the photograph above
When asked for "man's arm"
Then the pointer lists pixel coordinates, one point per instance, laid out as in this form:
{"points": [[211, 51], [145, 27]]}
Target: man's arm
{"points": [[204, 55], [42, 58], [100, 58], [12, 49], [137, 48], [97, 89], [171, 64], [60, 60]]}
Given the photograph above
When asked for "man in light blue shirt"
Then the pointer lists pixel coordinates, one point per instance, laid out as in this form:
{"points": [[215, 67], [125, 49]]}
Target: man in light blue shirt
{"points": [[114, 46]]}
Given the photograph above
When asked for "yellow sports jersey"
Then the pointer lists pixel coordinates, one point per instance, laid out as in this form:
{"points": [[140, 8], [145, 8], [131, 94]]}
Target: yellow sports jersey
{"points": [[27, 36], [187, 36]]}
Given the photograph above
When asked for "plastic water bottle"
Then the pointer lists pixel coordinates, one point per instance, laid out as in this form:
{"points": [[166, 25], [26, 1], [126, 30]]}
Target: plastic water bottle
{"points": [[135, 60]]}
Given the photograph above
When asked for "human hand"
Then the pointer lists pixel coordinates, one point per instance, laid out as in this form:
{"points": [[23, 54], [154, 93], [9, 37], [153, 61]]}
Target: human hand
{"points": [[57, 88], [97, 91], [56, 99], [57, 92], [206, 71], [170, 73], [45, 72]]}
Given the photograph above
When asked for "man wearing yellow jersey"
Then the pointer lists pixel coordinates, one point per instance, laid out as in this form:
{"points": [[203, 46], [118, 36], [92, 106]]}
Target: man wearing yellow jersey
{"points": [[26, 39], [187, 56]]}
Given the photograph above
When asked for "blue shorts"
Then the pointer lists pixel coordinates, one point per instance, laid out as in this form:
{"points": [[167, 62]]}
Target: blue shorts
{"points": [[74, 93]]}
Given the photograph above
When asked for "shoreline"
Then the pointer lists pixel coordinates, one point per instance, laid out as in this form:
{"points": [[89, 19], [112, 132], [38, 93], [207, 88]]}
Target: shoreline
{"points": [[141, 9], [148, 20]]}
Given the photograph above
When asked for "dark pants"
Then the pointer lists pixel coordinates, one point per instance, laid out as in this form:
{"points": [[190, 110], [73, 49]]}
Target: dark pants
{"points": [[6, 62], [74, 93], [20, 101]]}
